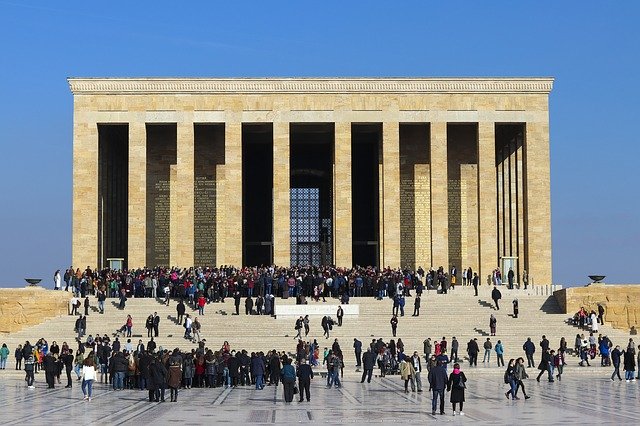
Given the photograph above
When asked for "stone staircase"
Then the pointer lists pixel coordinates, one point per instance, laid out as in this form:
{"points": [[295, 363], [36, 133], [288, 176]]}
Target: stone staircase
{"points": [[458, 314]]}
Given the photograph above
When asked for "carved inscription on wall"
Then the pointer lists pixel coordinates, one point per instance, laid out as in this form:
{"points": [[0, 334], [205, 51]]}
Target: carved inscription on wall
{"points": [[205, 220], [161, 244]]}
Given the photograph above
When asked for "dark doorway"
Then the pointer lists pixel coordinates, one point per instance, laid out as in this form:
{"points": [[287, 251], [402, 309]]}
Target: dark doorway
{"points": [[257, 194], [311, 183], [365, 190], [161, 156], [113, 192]]}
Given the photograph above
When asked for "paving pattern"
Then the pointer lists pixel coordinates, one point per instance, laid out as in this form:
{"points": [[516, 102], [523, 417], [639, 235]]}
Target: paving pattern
{"points": [[578, 399]]}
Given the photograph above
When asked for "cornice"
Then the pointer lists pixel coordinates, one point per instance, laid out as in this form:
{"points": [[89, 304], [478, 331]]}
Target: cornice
{"points": [[116, 86]]}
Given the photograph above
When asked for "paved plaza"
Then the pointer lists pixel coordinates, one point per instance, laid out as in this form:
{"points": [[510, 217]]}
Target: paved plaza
{"points": [[582, 399]]}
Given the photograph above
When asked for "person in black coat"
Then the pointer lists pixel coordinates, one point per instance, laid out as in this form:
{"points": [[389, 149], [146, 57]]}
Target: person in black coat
{"points": [[156, 323], [67, 359], [437, 382], [369, 362], [180, 309], [496, 296], [156, 381], [416, 307], [248, 306], [274, 369], [50, 370], [233, 364], [236, 301], [456, 385], [305, 375], [472, 351]]}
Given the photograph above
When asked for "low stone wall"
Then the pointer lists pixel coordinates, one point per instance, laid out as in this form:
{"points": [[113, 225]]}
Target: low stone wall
{"points": [[621, 302], [23, 307]]}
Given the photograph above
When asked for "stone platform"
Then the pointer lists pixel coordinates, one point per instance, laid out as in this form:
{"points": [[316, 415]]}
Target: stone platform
{"points": [[580, 399]]}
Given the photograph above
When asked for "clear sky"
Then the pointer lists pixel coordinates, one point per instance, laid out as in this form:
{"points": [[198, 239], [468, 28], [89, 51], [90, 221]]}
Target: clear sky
{"points": [[592, 48]]}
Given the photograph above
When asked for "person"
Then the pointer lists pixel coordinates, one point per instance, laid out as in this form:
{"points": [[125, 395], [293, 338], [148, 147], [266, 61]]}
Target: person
{"points": [[369, 362], [600, 314], [616, 354], [258, 369], [472, 351], [88, 377], [129, 325], [19, 357], [67, 360], [427, 348], [180, 310], [559, 363], [510, 277], [546, 364], [102, 296], [487, 350], [195, 327], [455, 345], [174, 379], [407, 373], [475, 281], [87, 305], [29, 366], [288, 378], [496, 296], [357, 346], [437, 382], [340, 314], [236, 301], [156, 380], [305, 375], [202, 301], [149, 326], [416, 306], [520, 374], [529, 349], [499, 353], [56, 280], [156, 324], [515, 308], [394, 324], [248, 305], [492, 324], [456, 385], [298, 328], [305, 322], [630, 362], [50, 370], [417, 366], [510, 379], [187, 327], [4, 354]]}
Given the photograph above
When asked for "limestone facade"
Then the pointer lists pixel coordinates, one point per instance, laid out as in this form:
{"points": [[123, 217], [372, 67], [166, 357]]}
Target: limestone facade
{"points": [[458, 178]]}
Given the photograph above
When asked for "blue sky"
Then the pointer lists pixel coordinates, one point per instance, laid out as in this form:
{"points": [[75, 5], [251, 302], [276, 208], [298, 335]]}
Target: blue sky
{"points": [[591, 48]]}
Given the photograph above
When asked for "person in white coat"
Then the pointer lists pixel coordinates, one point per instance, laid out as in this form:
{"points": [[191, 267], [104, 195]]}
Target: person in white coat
{"points": [[57, 279]]}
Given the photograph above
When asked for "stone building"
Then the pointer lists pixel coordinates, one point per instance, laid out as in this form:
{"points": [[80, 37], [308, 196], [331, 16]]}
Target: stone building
{"points": [[371, 171]]}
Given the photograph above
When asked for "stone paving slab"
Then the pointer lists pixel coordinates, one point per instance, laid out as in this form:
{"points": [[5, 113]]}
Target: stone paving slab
{"points": [[575, 400]]}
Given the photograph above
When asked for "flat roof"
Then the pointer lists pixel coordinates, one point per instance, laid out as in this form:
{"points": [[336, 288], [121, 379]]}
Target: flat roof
{"points": [[317, 85]]}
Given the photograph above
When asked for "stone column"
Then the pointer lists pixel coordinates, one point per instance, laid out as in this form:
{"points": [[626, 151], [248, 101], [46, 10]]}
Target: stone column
{"points": [[229, 231], [85, 194], [487, 195], [391, 194], [137, 238], [281, 195], [537, 203], [439, 196], [342, 231], [183, 217]]}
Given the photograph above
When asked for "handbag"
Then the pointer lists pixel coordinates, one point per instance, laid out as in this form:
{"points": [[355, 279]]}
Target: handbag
{"points": [[461, 384], [295, 390]]}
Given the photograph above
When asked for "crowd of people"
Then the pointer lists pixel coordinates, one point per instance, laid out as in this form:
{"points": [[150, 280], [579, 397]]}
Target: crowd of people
{"points": [[121, 365]]}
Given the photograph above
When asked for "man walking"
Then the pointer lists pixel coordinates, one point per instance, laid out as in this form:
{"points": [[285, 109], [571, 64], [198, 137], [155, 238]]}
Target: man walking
{"points": [[496, 296], [454, 349], [487, 350], [394, 324], [472, 350]]}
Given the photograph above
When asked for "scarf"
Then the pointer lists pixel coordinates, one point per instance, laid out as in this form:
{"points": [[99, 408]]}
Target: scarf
{"points": [[456, 371]]}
